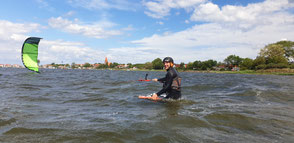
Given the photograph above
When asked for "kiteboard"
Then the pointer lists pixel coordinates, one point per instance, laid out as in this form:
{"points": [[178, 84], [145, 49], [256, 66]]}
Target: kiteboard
{"points": [[149, 97], [144, 80]]}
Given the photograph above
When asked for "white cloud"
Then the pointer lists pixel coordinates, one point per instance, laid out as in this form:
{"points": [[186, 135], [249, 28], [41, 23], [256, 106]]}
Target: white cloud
{"points": [[12, 31], [160, 9], [69, 14], [239, 16], [45, 5], [105, 4], [239, 30], [213, 41], [67, 52], [12, 36], [131, 54], [96, 30], [11, 39]]}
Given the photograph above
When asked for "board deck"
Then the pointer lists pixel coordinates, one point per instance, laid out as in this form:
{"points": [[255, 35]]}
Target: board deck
{"points": [[150, 98]]}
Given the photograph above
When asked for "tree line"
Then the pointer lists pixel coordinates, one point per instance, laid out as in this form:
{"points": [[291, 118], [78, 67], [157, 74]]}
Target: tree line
{"points": [[276, 55], [272, 56]]}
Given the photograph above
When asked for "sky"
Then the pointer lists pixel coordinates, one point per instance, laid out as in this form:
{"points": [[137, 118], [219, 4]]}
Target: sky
{"points": [[139, 31]]}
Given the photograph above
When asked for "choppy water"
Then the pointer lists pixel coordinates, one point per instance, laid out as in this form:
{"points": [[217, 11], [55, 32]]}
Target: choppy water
{"points": [[102, 106]]}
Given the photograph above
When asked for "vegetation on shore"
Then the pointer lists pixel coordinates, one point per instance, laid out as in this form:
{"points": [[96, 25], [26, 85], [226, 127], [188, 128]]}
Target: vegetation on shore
{"points": [[276, 58]]}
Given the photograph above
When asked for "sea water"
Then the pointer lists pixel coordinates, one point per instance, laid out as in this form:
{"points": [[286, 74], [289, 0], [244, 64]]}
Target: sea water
{"points": [[102, 106]]}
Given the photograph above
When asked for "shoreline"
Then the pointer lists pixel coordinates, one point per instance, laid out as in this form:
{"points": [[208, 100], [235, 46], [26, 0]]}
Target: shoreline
{"points": [[251, 72], [286, 71]]}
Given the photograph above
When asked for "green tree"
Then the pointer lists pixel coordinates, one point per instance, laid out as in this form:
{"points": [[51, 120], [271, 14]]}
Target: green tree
{"points": [[139, 66], [157, 64], [209, 64], [233, 60], [273, 53], [182, 65], [259, 61], [190, 66], [148, 65], [247, 64], [289, 49], [130, 65], [197, 65], [67, 65], [114, 65], [86, 65]]}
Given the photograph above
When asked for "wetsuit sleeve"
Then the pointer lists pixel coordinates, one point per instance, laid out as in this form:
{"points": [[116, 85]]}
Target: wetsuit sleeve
{"points": [[168, 83], [162, 80]]}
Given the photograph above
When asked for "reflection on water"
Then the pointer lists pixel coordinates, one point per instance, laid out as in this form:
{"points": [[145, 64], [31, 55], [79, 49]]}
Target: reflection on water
{"points": [[102, 106]]}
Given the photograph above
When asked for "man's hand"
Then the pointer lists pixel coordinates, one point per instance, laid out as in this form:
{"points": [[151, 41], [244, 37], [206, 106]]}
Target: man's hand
{"points": [[154, 96], [155, 79]]}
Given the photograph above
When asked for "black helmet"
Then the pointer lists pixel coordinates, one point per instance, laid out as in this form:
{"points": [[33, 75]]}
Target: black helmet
{"points": [[168, 59]]}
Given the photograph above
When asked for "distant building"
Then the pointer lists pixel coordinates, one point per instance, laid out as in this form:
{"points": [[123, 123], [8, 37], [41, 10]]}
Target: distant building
{"points": [[121, 66], [7, 65], [236, 68], [95, 65], [17, 66], [106, 62]]}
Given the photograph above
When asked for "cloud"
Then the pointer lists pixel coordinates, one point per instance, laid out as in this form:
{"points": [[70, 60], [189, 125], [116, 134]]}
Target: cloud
{"points": [[131, 54], [241, 17], [12, 36], [14, 31], [214, 41], [95, 30], [160, 9], [45, 5], [59, 51], [105, 4], [69, 14], [11, 39], [239, 30]]}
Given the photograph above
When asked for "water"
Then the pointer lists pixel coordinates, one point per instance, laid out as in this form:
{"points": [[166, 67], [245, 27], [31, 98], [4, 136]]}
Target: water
{"points": [[102, 106]]}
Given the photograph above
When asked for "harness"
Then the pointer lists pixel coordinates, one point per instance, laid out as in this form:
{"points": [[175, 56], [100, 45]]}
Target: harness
{"points": [[176, 85]]}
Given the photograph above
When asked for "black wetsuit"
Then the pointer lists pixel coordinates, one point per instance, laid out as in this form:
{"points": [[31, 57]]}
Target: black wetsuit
{"points": [[171, 84]]}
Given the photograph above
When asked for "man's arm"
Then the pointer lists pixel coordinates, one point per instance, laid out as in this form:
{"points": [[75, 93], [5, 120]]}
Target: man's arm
{"points": [[160, 80], [169, 81]]}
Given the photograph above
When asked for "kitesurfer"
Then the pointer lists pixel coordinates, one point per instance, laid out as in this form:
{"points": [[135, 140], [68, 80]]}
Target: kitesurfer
{"points": [[171, 81]]}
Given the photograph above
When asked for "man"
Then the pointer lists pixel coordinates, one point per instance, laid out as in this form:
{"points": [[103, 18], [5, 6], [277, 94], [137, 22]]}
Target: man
{"points": [[171, 81]]}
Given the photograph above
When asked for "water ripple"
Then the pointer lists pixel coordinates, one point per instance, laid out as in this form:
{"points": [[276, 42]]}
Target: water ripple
{"points": [[102, 106]]}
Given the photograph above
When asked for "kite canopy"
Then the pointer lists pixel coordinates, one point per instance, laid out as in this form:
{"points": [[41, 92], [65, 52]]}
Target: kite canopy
{"points": [[30, 53]]}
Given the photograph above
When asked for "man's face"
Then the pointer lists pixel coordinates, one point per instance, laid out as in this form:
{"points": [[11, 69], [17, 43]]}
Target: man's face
{"points": [[167, 65]]}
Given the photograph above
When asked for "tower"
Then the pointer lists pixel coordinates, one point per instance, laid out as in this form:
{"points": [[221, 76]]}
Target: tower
{"points": [[106, 61]]}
